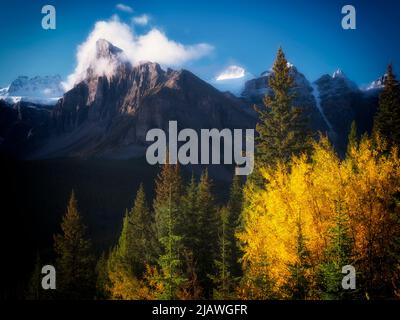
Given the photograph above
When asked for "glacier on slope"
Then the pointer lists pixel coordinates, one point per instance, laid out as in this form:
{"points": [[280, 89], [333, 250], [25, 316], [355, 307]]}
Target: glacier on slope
{"points": [[46, 90]]}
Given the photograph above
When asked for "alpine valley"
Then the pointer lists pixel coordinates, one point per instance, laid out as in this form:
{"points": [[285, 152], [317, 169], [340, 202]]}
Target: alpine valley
{"points": [[91, 138]]}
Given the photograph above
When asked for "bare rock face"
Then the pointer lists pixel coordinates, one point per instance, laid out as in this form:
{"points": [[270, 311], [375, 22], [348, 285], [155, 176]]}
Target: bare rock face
{"points": [[110, 115], [343, 102], [109, 112], [337, 99], [107, 50], [256, 89], [330, 104]]}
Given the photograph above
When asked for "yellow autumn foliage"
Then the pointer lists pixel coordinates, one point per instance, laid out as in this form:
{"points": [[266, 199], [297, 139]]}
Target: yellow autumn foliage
{"points": [[307, 191], [124, 286]]}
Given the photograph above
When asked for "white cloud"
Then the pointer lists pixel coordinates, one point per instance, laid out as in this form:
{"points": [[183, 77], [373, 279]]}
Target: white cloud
{"points": [[156, 47], [232, 72], [153, 46], [124, 8], [141, 20]]}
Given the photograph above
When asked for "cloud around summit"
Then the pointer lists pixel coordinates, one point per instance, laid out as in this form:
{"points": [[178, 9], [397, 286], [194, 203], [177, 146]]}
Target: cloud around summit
{"points": [[153, 46]]}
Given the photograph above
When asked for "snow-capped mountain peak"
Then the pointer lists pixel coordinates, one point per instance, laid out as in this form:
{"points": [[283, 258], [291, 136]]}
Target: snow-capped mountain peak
{"points": [[100, 58], [377, 84], [339, 79], [270, 70], [232, 72], [46, 86], [338, 74], [40, 89], [232, 79], [3, 91], [106, 60]]}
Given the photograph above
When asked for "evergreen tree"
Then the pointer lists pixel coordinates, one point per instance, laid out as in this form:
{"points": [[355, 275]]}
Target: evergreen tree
{"points": [[338, 254], [352, 139], [281, 128], [136, 249], [142, 247], [119, 261], [387, 120], [121, 253], [190, 232], [167, 208], [102, 277], [35, 290], [258, 285], [298, 286], [168, 193], [188, 219], [75, 263], [191, 290], [207, 233], [137, 242], [235, 206], [223, 281], [170, 262]]}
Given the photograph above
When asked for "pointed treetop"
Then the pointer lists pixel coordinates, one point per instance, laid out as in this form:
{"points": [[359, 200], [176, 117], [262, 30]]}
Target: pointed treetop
{"points": [[389, 74], [72, 199]]}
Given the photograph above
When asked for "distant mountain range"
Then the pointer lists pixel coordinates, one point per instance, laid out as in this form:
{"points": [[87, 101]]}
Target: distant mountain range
{"points": [[107, 115], [41, 90], [331, 103]]}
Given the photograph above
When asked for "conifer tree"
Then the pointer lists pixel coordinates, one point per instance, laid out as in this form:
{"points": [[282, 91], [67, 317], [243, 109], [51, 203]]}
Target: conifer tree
{"points": [[75, 262], [142, 247], [190, 232], [208, 233], [189, 218], [119, 262], [137, 242], [235, 206], [136, 249], [168, 194], [298, 285], [167, 208], [223, 281], [352, 139], [102, 277], [387, 120], [35, 291], [191, 290], [338, 254], [257, 282], [121, 253], [170, 262], [281, 128]]}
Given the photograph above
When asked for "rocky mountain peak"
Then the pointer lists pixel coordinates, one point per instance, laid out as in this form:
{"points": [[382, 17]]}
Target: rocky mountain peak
{"points": [[338, 81], [151, 68], [291, 66], [110, 116], [24, 85], [107, 50], [44, 90], [378, 84], [338, 74]]}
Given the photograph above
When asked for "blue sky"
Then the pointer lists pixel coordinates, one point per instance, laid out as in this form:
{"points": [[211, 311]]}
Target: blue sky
{"points": [[245, 33]]}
